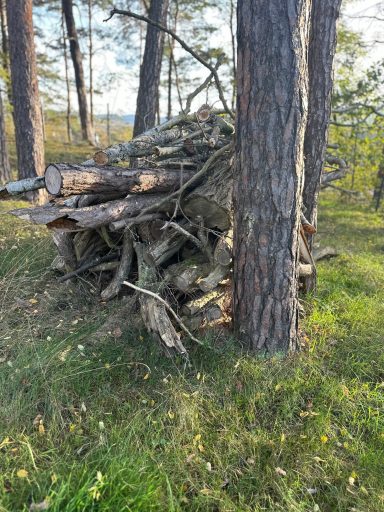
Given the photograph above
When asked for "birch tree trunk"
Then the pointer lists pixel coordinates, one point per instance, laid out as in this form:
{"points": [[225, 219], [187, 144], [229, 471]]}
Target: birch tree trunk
{"points": [[25, 92], [272, 81], [148, 94], [77, 59]]}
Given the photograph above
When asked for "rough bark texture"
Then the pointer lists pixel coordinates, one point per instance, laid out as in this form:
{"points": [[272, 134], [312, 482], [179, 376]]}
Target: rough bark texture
{"points": [[271, 117], [25, 92], [69, 179], [5, 168], [322, 47], [77, 59], [148, 94]]}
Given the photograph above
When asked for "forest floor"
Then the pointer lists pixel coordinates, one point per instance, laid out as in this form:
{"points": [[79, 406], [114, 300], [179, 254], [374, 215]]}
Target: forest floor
{"points": [[94, 417]]}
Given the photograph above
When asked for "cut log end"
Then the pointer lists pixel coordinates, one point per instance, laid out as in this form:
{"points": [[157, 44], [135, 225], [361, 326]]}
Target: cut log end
{"points": [[101, 158], [53, 180]]}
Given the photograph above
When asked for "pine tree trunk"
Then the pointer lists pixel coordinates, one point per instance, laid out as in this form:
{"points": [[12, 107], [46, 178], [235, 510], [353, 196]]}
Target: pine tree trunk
{"points": [[4, 49], [322, 47], [90, 55], [5, 168], [67, 84], [148, 95], [77, 60], [271, 117], [25, 92]]}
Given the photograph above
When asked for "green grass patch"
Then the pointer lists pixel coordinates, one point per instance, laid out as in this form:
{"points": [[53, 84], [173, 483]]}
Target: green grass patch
{"points": [[102, 423]]}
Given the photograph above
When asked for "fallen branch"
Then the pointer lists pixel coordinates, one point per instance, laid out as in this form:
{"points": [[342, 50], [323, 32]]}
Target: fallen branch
{"points": [[14, 188], [167, 307], [87, 266], [189, 183]]}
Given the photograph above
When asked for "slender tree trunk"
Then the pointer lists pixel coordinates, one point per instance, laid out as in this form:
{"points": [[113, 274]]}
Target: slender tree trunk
{"points": [[321, 53], [90, 50], [67, 84], [148, 94], [4, 49], [77, 59], [5, 168], [108, 126], [171, 44], [271, 117], [25, 92], [169, 109], [233, 44]]}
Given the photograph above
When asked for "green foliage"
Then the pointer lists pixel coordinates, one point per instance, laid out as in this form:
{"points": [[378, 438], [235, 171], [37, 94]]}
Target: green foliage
{"points": [[357, 116], [95, 418]]}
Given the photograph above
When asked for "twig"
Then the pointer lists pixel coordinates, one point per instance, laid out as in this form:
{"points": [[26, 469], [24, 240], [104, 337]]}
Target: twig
{"points": [[87, 266], [184, 232], [167, 307], [186, 47], [199, 89], [188, 183]]}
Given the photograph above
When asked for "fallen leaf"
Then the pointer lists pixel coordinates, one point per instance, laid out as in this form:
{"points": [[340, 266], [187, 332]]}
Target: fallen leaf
{"points": [[209, 466], [201, 448], [280, 472], [43, 505], [36, 421], [32, 301], [117, 333], [171, 414], [4, 442], [146, 376]]}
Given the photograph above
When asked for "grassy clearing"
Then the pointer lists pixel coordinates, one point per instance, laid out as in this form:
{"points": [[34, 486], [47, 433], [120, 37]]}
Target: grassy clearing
{"points": [[123, 428]]}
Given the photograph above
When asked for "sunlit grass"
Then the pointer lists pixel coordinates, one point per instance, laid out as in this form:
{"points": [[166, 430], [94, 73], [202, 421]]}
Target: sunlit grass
{"points": [[121, 427]]}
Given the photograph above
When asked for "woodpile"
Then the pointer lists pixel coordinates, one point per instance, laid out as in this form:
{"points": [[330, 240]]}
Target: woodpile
{"points": [[159, 227]]}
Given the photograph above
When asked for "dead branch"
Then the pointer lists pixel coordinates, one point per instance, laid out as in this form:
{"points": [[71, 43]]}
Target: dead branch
{"points": [[186, 47]]}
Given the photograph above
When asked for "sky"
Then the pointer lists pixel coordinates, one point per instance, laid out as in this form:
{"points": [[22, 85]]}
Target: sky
{"points": [[120, 93]]}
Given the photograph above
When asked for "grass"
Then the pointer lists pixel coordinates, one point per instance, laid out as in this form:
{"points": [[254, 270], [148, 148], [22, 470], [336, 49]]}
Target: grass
{"points": [[95, 418]]}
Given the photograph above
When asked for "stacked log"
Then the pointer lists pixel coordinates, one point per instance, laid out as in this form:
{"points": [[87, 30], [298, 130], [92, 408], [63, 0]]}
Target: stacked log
{"points": [[160, 225]]}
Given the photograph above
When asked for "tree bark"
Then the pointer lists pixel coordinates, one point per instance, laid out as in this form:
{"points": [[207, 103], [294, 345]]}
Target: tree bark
{"points": [[271, 117], [67, 84], [5, 168], [5, 49], [148, 94], [70, 179], [77, 60], [322, 47], [25, 92]]}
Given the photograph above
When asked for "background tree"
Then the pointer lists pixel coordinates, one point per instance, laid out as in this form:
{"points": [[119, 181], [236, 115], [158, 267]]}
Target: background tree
{"points": [[148, 93], [271, 92], [322, 47], [77, 60], [25, 92], [5, 168]]}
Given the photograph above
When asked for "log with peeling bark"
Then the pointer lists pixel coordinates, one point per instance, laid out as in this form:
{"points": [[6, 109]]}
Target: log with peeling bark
{"points": [[70, 179], [160, 230]]}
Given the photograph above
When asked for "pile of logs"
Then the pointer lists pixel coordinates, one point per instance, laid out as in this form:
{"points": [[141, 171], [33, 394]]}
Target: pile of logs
{"points": [[160, 225]]}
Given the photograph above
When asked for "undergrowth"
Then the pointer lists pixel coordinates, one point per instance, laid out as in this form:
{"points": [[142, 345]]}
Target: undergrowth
{"points": [[97, 419]]}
